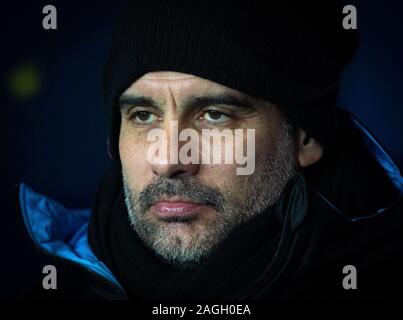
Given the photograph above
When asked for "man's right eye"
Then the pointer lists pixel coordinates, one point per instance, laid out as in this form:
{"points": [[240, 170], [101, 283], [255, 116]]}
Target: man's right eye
{"points": [[143, 117]]}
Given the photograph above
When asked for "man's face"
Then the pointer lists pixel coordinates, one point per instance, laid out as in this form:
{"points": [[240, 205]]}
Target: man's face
{"points": [[183, 211]]}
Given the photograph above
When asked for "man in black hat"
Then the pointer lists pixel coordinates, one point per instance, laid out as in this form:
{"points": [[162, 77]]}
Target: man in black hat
{"points": [[321, 207]]}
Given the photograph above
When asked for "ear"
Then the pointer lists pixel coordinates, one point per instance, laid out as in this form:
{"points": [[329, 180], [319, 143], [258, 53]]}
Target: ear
{"points": [[309, 150]]}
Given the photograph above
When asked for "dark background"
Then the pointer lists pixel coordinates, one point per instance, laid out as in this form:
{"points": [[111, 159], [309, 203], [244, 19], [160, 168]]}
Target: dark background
{"points": [[52, 127]]}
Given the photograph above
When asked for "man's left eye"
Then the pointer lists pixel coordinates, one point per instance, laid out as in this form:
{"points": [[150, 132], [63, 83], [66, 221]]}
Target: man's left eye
{"points": [[215, 116]]}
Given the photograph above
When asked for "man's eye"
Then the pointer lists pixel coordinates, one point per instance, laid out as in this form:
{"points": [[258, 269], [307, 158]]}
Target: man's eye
{"points": [[214, 116], [143, 117]]}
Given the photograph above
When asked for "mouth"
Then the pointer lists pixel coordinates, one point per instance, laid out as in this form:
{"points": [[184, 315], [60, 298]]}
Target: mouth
{"points": [[176, 208]]}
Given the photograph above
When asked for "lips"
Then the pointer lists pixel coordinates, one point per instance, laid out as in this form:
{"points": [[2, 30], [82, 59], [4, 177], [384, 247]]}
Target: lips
{"points": [[176, 208]]}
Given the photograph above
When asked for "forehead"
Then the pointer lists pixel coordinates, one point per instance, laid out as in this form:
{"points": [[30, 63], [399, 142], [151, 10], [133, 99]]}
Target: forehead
{"points": [[160, 83]]}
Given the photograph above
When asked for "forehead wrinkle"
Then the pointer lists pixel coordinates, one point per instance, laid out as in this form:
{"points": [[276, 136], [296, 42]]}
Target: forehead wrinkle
{"points": [[157, 87], [171, 101], [169, 79], [167, 75]]}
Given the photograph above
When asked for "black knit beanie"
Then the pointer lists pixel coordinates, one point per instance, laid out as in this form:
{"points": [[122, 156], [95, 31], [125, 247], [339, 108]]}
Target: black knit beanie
{"points": [[290, 53]]}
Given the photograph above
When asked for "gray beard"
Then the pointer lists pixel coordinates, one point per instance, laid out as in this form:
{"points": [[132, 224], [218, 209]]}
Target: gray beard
{"points": [[234, 208]]}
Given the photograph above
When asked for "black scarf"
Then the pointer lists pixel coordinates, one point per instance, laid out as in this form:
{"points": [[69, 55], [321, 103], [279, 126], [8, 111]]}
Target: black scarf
{"points": [[241, 258]]}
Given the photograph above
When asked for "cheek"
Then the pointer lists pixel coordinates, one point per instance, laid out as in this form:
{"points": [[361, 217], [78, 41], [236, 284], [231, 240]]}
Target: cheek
{"points": [[264, 149], [226, 174], [218, 175], [134, 161]]}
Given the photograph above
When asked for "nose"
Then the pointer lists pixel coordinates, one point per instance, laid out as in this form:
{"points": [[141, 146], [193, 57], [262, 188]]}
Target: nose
{"points": [[167, 170], [172, 165], [172, 125]]}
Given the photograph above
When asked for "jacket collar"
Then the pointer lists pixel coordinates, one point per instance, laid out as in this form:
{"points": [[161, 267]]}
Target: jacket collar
{"points": [[60, 232]]}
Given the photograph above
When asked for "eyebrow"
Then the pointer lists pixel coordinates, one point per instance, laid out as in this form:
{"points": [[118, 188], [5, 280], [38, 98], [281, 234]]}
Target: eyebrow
{"points": [[221, 99], [129, 100]]}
